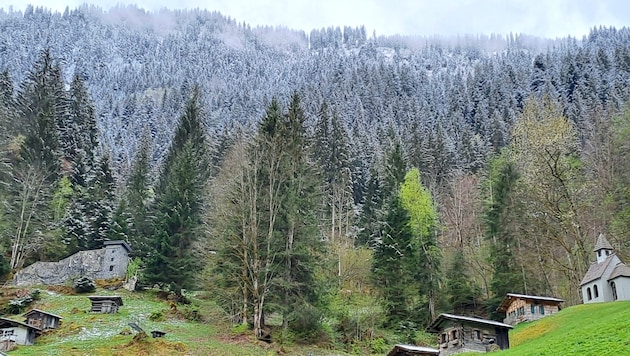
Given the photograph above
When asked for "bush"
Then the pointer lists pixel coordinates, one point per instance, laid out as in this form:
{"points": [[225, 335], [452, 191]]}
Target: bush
{"points": [[84, 285], [19, 304], [157, 316], [240, 329], [306, 324], [379, 346], [191, 313]]}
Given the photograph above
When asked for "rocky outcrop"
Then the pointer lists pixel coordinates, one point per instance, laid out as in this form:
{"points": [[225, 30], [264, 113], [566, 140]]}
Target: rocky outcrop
{"points": [[84, 263], [109, 262]]}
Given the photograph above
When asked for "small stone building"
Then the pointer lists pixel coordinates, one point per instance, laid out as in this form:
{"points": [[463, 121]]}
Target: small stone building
{"points": [[608, 278], [467, 334], [42, 320], [13, 332], [521, 307], [412, 350], [105, 304], [108, 262]]}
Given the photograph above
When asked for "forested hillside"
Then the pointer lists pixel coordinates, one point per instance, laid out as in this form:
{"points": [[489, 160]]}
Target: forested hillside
{"points": [[299, 174]]}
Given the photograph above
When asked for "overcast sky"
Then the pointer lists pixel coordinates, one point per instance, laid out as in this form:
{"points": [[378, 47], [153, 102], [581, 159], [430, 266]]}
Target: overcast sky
{"points": [[545, 18]]}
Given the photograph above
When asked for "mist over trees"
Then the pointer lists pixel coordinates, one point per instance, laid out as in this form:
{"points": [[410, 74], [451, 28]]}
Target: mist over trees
{"points": [[297, 174]]}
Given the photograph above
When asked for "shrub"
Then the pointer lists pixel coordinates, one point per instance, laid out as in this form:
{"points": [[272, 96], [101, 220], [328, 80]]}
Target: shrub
{"points": [[239, 329], [19, 304], [84, 285], [157, 316], [379, 346], [306, 324], [191, 313]]}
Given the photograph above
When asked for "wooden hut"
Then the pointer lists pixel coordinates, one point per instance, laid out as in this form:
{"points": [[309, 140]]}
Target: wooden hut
{"points": [[42, 319], [467, 334], [13, 332], [412, 350], [105, 304], [521, 307]]}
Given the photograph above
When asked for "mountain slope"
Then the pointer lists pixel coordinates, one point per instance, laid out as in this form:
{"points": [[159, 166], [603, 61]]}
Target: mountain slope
{"points": [[85, 333], [588, 329]]}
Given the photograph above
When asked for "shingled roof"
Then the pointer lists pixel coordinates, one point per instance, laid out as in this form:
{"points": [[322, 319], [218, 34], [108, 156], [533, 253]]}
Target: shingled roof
{"points": [[602, 243], [621, 270], [436, 325], [596, 270], [510, 297]]}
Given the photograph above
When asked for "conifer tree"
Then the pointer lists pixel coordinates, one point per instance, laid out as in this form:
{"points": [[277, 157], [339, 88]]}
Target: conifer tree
{"points": [[461, 294], [505, 277], [298, 220], [43, 104], [138, 197], [179, 204], [393, 256]]}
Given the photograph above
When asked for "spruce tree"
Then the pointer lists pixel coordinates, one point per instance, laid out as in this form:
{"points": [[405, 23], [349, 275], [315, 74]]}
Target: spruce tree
{"points": [[505, 277], [43, 105], [179, 204], [393, 258], [298, 220], [138, 197]]}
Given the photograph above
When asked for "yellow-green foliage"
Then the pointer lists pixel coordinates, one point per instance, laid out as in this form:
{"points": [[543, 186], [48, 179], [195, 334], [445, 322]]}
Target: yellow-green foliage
{"points": [[416, 200]]}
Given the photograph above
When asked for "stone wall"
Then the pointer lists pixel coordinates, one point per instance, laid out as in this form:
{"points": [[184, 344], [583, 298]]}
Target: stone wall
{"points": [[94, 264]]}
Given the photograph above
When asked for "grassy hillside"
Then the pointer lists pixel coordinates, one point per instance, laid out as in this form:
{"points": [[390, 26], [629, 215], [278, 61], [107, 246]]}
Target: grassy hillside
{"points": [[84, 333], [593, 329]]}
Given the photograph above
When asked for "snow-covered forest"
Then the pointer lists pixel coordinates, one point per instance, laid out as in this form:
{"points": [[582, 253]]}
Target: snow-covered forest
{"points": [[431, 174]]}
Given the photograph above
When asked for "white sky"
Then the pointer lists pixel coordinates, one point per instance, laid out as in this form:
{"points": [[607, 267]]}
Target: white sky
{"points": [[544, 18]]}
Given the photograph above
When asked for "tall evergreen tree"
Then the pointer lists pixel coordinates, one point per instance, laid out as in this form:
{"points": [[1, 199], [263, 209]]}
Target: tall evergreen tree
{"points": [[43, 104], [298, 219], [179, 204], [138, 197], [394, 256], [505, 277]]}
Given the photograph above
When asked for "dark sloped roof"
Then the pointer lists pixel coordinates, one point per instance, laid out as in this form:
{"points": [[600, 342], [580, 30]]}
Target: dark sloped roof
{"points": [[620, 270], [33, 311], [602, 243], [513, 296], [436, 325], [5, 322], [115, 298], [596, 270], [413, 350], [118, 242]]}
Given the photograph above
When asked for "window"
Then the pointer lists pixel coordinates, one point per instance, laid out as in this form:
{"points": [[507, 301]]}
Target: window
{"points": [[599, 253], [443, 338], [614, 290], [9, 332], [588, 293], [113, 251], [541, 309], [111, 268], [454, 335], [595, 291], [477, 334], [533, 309], [521, 311], [112, 259]]}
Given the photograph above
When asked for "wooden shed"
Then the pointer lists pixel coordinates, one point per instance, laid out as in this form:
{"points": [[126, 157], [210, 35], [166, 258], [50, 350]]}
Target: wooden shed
{"points": [[105, 304], [13, 332], [521, 307], [42, 319], [412, 350], [467, 334]]}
